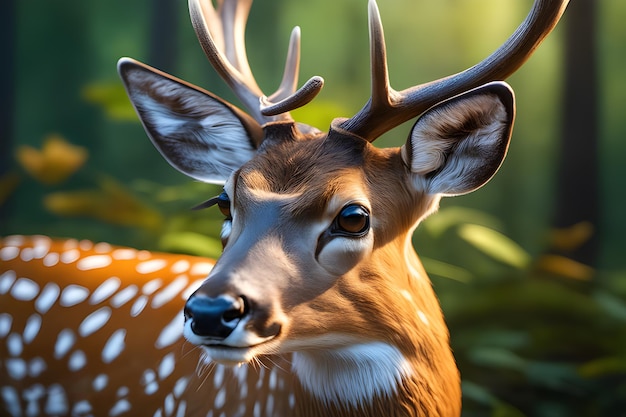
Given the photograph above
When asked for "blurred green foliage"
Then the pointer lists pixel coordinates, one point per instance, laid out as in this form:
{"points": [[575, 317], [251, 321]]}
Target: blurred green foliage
{"points": [[534, 334]]}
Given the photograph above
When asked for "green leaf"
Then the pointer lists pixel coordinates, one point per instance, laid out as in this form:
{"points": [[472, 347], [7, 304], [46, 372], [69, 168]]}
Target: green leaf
{"points": [[602, 367], [446, 270], [497, 358], [495, 244], [612, 305], [477, 393], [453, 216], [113, 100], [191, 243]]}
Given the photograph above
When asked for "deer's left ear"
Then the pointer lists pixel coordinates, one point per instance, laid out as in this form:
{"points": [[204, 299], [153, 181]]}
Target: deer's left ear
{"points": [[458, 145]]}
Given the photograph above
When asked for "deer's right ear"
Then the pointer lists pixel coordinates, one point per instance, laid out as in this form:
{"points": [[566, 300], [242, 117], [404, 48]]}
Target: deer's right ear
{"points": [[198, 133]]}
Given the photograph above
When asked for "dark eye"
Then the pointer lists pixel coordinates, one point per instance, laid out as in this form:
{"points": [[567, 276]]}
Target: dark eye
{"points": [[353, 220], [223, 202]]}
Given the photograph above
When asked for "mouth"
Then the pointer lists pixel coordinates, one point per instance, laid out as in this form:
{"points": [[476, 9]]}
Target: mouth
{"points": [[240, 346]]}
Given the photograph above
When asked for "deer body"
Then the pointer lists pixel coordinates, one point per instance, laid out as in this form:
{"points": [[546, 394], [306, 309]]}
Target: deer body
{"points": [[319, 305], [101, 334]]}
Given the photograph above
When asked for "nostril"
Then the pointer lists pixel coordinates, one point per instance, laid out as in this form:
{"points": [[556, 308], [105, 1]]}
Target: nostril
{"points": [[238, 310], [215, 317]]}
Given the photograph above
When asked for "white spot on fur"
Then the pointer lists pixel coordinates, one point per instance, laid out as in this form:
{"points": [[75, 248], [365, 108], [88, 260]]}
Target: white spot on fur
{"points": [[124, 254], [151, 266], [180, 266], [41, 246], [11, 400], [122, 391], [6, 281], [47, 298], [423, 317], [8, 253], [166, 367], [105, 290], [151, 388], [24, 289], [56, 403], [27, 254], [65, 341], [138, 306], [51, 259], [220, 398], [151, 286], [218, 376], [169, 292], [180, 386], [94, 262], [36, 367], [102, 247], [85, 245], [16, 368], [32, 327], [169, 405], [5, 324], [171, 332], [201, 268], [120, 407], [33, 395], [81, 407], [72, 295], [182, 408], [114, 346], [94, 321], [70, 256], [124, 296], [14, 344], [77, 361], [100, 382]]}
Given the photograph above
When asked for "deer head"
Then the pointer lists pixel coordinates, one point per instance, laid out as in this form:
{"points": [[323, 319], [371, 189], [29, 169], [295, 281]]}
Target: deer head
{"points": [[317, 260]]}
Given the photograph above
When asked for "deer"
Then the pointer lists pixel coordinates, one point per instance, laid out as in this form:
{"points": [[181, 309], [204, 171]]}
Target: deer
{"points": [[318, 305]]}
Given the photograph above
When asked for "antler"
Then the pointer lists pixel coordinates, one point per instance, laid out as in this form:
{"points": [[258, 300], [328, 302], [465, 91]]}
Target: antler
{"points": [[388, 108], [221, 34]]}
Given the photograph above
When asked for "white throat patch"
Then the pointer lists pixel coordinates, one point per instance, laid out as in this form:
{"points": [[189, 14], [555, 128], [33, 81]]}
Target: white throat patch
{"points": [[353, 375]]}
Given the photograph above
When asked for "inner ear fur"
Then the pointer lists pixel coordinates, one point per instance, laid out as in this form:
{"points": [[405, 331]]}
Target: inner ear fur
{"points": [[198, 133], [456, 146]]}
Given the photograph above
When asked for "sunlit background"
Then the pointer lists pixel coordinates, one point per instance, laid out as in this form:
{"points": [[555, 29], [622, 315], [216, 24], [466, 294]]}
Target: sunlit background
{"points": [[532, 280]]}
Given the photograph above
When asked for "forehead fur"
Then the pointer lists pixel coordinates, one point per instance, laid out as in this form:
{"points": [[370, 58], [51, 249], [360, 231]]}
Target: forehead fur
{"points": [[313, 169], [287, 166]]}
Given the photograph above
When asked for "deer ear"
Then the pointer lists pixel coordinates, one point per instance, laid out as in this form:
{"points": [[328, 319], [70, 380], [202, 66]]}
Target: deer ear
{"points": [[198, 133], [458, 145]]}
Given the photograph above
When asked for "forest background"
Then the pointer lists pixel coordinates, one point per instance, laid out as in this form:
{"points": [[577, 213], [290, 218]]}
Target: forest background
{"points": [[530, 269]]}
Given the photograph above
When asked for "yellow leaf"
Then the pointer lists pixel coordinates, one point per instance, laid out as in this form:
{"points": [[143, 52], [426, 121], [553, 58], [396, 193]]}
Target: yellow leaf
{"points": [[565, 267], [111, 203], [55, 162]]}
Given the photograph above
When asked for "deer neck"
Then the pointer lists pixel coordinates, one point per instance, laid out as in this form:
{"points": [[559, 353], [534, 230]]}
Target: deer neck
{"points": [[410, 373]]}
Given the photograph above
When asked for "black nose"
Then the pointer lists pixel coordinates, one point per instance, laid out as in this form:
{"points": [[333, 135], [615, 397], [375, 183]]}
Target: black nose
{"points": [[214, 317]]}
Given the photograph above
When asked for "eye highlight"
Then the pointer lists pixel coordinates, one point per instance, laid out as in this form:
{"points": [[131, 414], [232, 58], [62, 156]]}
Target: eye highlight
{"points": [[353, 220]]}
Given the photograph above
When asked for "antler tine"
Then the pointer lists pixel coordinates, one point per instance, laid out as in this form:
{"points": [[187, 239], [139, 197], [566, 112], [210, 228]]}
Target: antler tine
{"points": [[221, 34], [381, 89], [388, 108], [286, 97]]}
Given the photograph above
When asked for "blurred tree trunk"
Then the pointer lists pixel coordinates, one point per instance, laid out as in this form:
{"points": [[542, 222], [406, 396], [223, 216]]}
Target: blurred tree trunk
{"points": [[576, 216], [162, 48], [7, 92]]}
